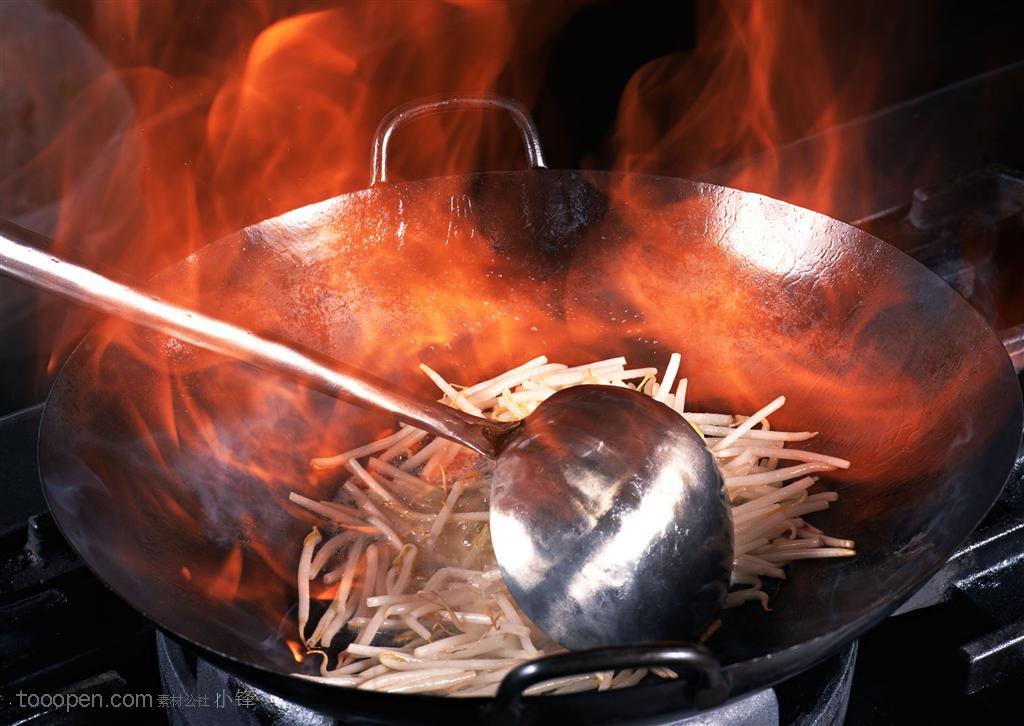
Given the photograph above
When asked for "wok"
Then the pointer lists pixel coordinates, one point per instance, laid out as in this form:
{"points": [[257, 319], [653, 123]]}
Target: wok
{"points": [[168, 468]]}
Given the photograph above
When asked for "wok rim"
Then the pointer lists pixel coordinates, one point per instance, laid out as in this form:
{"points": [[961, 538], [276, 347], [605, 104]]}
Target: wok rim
{"points": [[742, 677]]}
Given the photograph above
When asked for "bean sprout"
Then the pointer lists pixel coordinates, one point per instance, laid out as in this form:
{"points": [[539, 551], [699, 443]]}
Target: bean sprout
{"points": [[410, 575]]}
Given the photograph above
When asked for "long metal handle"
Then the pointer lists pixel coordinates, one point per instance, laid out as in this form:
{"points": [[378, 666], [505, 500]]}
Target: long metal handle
{"points": [[42, 270], [1013, 341], [442, 104]]}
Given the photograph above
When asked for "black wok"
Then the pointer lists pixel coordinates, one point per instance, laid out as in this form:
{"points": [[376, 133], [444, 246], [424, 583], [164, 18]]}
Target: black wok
{"points": [[168, 468]]}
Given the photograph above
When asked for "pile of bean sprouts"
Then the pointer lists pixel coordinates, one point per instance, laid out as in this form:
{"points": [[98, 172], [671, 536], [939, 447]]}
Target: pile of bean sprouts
{"points": [[408, 584]]}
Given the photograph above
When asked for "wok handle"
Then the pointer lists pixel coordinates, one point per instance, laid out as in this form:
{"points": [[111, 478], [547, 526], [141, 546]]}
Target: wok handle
{"points": [[710, 689], [444, 104], [1013, 341], [18, 259]]}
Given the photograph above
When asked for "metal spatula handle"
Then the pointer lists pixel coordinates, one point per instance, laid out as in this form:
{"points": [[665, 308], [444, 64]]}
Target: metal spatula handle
{"points": [[45, 271]]}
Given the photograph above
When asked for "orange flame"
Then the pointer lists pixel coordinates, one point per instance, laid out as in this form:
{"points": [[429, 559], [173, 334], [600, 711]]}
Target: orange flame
{"points": [[296, 650], [225, 586], [763, 76]]}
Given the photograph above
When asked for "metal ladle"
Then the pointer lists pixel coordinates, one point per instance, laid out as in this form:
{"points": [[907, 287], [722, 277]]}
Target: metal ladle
{"points": [[608, 517]]}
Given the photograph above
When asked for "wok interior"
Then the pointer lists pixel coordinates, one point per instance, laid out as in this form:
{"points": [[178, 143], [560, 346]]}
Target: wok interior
{"points": [[174, 489]]}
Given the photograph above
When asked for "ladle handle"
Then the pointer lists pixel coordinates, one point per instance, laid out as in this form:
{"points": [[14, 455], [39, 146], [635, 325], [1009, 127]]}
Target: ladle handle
{"points": [[688, 661], [39, 269], [443, 104], [1013, 341]]}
